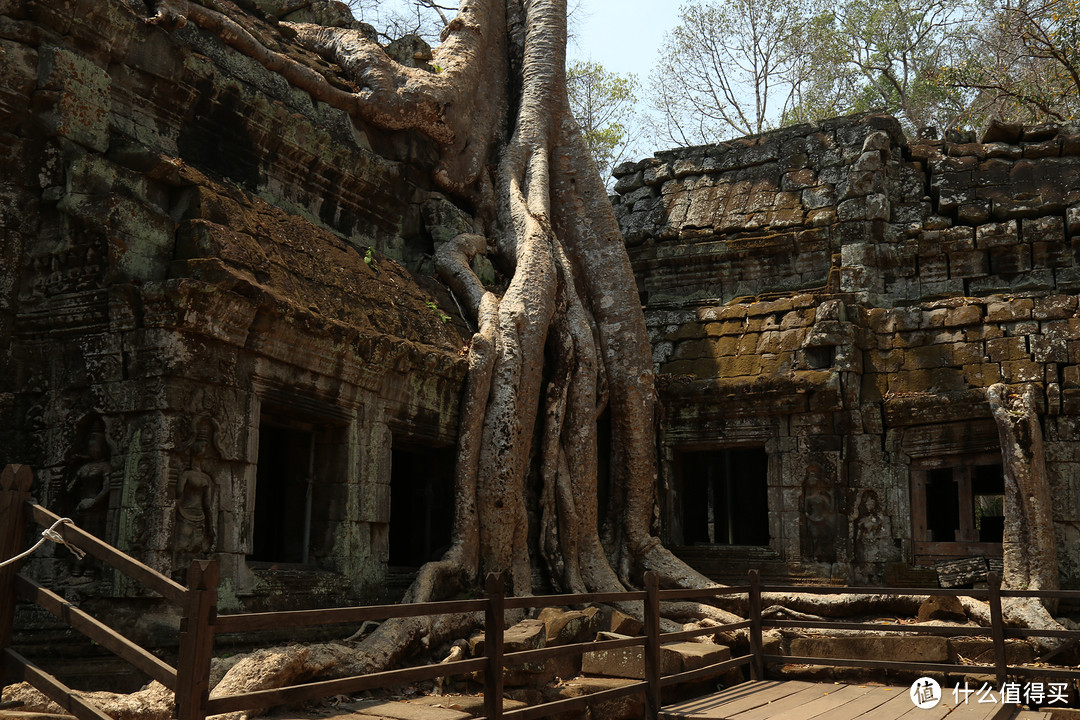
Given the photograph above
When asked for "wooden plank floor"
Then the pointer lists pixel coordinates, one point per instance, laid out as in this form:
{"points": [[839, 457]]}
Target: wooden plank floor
{"points": [[796, 700]]}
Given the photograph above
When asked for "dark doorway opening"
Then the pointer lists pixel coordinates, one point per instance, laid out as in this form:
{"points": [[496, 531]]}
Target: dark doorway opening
{"points": [[942, 505], [724, 497], [957, 507], [283, 486], [421, 504]]}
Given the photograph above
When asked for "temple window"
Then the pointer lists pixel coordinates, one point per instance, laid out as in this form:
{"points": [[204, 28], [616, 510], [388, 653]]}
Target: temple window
{"points": [[957, 507], [723, 497]]}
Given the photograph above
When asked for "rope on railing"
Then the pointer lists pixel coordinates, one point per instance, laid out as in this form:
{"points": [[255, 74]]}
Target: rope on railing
{"points": [[49, 533]]}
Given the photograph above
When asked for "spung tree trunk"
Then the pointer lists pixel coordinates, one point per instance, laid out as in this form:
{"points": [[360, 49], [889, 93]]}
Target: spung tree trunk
{"points": [[566, 341], [1029, 544]]}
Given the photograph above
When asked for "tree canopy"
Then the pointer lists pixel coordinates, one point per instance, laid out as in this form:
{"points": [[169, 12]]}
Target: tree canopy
{"points": [[1022, 64], [604, 105], [744, 67]]}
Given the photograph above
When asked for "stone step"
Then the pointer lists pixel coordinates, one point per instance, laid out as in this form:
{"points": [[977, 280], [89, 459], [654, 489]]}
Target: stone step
{"points": [[629, 662], [898, 649]]}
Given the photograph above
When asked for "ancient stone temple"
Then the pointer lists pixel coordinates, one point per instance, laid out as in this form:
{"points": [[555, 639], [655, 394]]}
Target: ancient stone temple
{"points": [[827, 305], [222, 335]]}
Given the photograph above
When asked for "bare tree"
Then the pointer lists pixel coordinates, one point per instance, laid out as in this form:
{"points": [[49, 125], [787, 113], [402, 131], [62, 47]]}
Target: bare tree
{"points": [[743, 67], [397, 18], [726, 69], [823, 84], [1022, 64]]}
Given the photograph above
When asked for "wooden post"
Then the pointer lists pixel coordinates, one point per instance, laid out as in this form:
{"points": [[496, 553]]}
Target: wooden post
{"points": [[14, 492], [494, 625], [997, 627], [652, 643], [197, 640], [757, 648]]}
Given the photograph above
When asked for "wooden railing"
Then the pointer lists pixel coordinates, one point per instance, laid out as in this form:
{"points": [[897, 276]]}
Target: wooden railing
{"points": [[494, 608], [197, 601], [200, 624], [998, 632]]}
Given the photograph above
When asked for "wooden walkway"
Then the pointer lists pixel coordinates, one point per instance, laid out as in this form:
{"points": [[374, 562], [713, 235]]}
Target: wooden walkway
{"points": [[796, 700]]}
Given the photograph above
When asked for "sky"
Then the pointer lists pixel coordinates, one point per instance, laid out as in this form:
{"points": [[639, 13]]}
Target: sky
{"points": [[622, 35]]}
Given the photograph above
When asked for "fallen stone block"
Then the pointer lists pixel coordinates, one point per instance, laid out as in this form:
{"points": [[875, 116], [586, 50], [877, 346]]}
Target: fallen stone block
{"points": [[525, 635], [694, 655], [570, 626], [942, 607], [624, 624], [629, 662], [629, 706], [897, 649]]}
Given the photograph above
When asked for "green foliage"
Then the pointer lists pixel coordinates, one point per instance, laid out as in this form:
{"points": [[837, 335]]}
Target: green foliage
{"points": [[603, 103], [896, 48], [369, 258], [1021, 64], [744, 66], [438, 311]]}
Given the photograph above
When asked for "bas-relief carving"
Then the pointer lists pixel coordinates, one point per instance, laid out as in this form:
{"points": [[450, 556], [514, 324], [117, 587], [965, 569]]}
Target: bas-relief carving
{"points": [[821, 520], [195, 529], [871, 527], [84, 496], [873, 539], [88, 489]]}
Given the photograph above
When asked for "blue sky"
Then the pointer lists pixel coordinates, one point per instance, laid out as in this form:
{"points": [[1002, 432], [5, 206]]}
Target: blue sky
{"points": [[623, 35]]}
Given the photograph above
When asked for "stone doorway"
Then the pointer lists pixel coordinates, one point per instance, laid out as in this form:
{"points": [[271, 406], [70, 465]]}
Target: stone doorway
{"points": [[285, 474], [724, 497], [421, 503]]}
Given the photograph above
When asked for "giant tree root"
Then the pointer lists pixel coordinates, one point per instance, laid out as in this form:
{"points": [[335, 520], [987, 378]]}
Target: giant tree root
{"points": [[1029, 544], [153, 702], [565, 342]]}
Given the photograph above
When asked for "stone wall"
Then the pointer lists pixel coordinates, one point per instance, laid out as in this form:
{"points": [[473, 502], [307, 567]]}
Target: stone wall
{"points": [[841, 297], [196, 256], [194, 252]]}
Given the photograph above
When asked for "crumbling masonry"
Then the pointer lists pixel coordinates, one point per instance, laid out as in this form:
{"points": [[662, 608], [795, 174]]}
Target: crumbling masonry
{"points": [[827, 305], [222, 335]]}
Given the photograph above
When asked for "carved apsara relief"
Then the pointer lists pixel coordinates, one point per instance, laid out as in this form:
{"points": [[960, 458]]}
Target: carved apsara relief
{"points": [[195, 528], [820, 516], [86, 492], [86, 487], [872, 531]]}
